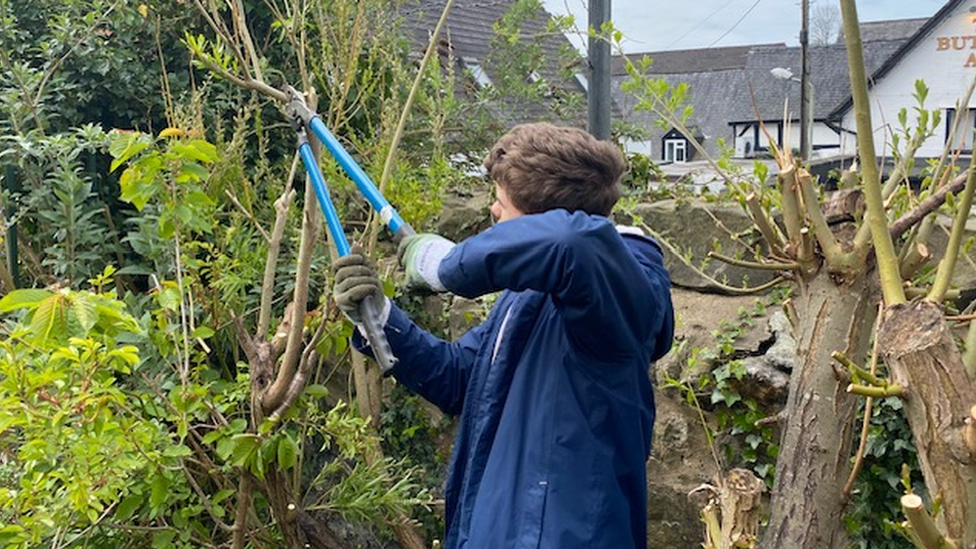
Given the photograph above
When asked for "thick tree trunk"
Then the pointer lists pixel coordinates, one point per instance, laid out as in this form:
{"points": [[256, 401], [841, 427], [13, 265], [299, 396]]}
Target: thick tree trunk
{"points": [[814, 459], [921, 356], [299, 529]]}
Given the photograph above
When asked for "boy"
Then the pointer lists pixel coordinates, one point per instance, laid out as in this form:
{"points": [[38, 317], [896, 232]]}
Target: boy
{"points": [[553, 388]]}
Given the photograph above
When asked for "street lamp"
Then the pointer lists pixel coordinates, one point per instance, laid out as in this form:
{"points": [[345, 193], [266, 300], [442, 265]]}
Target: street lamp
{"points": [[806, 110]]}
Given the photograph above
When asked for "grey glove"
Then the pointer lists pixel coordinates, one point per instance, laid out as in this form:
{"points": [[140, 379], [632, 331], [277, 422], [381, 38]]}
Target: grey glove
{"points": [[421, 255], [355, 279]]}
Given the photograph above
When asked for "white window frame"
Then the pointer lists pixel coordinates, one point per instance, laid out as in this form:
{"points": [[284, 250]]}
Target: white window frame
{"points": [[964, 135], [676, 150]]}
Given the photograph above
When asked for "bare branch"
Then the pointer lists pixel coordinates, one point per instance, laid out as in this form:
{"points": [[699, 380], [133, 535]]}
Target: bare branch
{"points": [[714, 284], [870, 179], [927, 206], [753, 264], [868, 404], [828, 244], [311, 227], [876, 392], [282, 205], [243, 508], [765, 225], [791, 204]]}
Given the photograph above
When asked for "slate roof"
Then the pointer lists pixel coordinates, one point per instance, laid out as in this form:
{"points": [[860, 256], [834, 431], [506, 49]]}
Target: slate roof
{"points": [[691, 61], [734, 84], [828, 75], [898, 29], [468, 33]]}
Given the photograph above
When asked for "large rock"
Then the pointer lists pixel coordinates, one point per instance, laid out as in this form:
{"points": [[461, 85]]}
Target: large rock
{"points": [[691, 229], [463, 216], [681, 461]]}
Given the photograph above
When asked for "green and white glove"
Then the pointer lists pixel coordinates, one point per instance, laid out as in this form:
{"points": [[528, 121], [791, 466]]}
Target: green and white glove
{"points": [[355, 279], [421, 255]]}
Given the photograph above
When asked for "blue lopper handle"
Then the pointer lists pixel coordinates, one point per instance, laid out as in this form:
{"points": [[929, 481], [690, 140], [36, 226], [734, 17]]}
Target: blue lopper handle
{"points": [[368, 311], [366, 186]]}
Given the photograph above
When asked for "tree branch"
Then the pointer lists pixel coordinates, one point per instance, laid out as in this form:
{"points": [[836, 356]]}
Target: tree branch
{"points": [[754, 265], [311, 227], [832, 252], [281, 205], [927, 206], [715, 284], [791, 205], [876, 392], [243, 508], [870, 179], [923, 525], [774, 239]]}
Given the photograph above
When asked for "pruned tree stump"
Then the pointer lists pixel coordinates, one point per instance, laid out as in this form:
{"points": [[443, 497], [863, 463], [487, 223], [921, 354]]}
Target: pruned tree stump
{"points": [[737, 499]]}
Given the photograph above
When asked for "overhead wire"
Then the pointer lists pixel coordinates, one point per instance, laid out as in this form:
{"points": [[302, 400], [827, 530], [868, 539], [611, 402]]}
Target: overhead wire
{"points": [[698, 26], [744, 15]]}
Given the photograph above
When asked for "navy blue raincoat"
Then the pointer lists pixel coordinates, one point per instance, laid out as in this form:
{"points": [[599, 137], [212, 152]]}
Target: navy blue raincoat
{"points": [[553, 389]]}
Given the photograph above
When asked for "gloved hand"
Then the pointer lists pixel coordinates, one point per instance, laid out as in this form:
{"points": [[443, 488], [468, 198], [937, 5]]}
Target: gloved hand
{"points": [[355, 279], [421, 255]]}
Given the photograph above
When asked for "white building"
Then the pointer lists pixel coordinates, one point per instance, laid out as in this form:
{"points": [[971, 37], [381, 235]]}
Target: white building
{"points": [[942, 53], [732, 90]]}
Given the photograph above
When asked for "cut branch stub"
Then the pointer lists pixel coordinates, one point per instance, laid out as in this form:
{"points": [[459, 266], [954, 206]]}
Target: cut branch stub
{"points": [[920, 352], [923, 526]]}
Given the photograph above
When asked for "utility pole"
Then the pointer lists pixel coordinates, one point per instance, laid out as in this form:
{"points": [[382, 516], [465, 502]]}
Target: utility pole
{"points": [[806, 99], [598, 85]]}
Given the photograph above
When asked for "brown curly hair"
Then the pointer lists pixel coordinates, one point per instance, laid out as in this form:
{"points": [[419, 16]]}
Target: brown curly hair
{"points": [[545, 167]]}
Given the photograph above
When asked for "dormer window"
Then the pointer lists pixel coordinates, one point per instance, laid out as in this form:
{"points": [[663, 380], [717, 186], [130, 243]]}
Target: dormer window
{"points": [[677, 148], [481, 79]]}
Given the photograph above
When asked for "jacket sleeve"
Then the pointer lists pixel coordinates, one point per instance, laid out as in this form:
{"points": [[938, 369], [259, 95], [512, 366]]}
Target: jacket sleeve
{"points": [[613, 305], [433, 368]]}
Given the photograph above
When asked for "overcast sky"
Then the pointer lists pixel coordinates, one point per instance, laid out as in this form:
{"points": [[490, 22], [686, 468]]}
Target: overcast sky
{"points": [[659, 25]]}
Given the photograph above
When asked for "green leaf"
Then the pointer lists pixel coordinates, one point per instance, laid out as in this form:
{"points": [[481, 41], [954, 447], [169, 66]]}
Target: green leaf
{"points": [[23, 299], [135, 190], [160, 489], [197, 149], [244, 446], [163, 539], [203, 332], [212, 436], [47, 314], [128, 506], [84, 311], [222, 495], [191, 172], [225, 447], [169, 298], [177, 450], [128, 354], [287, 452], [133, 145], [198, 199], [316, 391], [11, 534]]}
